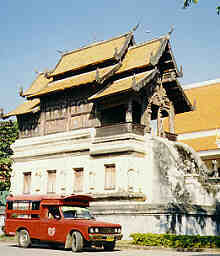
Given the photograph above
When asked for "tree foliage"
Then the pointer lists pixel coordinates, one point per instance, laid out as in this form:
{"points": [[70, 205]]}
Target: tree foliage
{"points": [[8, 135], [188, 3]]}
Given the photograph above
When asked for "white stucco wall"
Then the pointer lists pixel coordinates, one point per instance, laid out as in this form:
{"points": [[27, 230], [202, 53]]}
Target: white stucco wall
{"points": [[78, 149]]}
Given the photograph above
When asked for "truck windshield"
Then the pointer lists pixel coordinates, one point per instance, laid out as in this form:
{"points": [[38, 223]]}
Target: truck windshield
{"points": [[75, 212]]}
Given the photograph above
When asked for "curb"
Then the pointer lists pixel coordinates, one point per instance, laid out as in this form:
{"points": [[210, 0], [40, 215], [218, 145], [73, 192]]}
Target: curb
{"points": [[129, 245]]}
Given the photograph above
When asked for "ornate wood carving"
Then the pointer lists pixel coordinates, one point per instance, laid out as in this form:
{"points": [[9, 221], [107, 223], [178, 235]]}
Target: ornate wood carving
{"points": [[160, 99]]}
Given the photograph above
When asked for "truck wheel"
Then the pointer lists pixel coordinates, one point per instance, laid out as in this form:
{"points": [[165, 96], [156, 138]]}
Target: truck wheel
{"points": [[109, 246], [24, 239], [77, 242]]}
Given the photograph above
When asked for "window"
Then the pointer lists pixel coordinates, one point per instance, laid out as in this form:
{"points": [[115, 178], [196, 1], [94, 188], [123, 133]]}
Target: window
{"points": [[78, 180], [51, 182], [53, 212], [27, 209], [110, 177], [27, 183]]}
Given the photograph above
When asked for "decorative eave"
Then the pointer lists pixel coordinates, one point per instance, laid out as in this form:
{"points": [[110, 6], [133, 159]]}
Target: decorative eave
{"points": [[125, 85], [190, 106], [176, 94], [137, 86], [30, 106], [119, 55], [155, 59], [101, 79], [40, 83], [165, 43], [179, 72]]}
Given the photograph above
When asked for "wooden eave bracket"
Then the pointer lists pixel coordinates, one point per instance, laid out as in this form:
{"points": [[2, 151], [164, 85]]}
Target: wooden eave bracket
{"points": [[137, 86]]}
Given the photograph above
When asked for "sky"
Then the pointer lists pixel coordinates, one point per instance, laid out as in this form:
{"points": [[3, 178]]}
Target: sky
{"points": [[33, 32]]}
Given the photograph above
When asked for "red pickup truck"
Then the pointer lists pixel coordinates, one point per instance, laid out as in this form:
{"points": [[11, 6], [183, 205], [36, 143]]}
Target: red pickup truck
{"points": [[58, 219]]}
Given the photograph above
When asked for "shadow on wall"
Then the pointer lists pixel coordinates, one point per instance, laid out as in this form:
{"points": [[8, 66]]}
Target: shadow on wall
{"points": [[190, 220]]}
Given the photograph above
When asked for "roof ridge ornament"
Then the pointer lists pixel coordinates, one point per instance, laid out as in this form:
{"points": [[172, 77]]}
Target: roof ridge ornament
{"points": [[170, 32], [135, 27], [21, 91], [1, 113]]}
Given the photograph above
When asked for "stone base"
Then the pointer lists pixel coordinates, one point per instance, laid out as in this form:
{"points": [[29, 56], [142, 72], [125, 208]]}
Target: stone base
{"points": [[153, 218]]}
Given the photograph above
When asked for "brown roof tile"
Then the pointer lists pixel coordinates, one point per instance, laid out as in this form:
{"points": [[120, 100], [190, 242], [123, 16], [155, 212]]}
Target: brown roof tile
{"points": [[121, 85], [92, 54], [24, 108], [39, 83], [74, 81], [140, 55]]}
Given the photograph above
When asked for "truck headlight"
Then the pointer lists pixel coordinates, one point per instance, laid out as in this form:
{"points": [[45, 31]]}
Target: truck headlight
{"points": [[96, 230], [91, 230]]}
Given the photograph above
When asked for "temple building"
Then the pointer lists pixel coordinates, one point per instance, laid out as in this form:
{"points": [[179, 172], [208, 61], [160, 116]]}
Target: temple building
{"points": [[86, 126], [200, 128]]}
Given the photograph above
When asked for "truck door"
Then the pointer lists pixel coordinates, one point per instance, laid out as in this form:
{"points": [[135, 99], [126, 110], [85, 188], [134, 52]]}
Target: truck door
{"points": [[52, 225]]}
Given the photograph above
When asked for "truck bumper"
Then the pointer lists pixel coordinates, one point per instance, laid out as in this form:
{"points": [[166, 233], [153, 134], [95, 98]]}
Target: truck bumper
{"points": [[104, 237]]}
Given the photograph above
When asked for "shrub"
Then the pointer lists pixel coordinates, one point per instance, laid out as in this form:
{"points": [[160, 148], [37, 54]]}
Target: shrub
{"points": [[176, 241]]}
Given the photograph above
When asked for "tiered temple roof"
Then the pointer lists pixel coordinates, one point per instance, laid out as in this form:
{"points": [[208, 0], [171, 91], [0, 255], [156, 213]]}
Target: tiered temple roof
{"points": [[119, 64]]}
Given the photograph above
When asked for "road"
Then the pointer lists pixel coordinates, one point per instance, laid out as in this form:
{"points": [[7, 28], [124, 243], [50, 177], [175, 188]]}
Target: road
{"points": [[9, 249]]}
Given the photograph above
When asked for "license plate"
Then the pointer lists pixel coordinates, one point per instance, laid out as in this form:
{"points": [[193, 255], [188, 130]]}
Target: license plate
{"points": [[110, 238]]}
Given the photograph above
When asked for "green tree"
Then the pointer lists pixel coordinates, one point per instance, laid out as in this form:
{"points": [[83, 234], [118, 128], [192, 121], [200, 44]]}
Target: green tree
{"points": [[8, 135], [188, 3]]}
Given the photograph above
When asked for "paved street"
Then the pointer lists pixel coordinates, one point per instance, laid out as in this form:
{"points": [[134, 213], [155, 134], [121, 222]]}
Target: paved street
{"points": [[9, 249]]}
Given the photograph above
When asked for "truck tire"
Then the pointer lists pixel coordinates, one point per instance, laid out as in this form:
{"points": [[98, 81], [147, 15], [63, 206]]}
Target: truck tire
{"points": [[77, 241], [109, 246], [24, 240]]}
